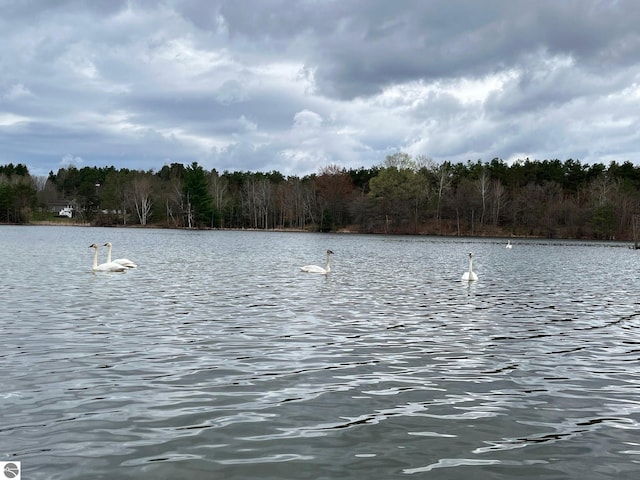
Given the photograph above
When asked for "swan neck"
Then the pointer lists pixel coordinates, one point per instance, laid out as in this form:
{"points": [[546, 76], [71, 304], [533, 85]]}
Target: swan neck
{"points": [[95, 258], [108, 253]]}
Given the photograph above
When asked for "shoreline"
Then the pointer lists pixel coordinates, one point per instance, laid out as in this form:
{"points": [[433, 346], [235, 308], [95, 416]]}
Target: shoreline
{"points": [[343, 231]]}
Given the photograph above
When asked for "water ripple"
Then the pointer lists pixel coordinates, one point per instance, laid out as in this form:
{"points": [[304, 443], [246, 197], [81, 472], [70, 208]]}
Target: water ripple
{"points": [[387, 367]]}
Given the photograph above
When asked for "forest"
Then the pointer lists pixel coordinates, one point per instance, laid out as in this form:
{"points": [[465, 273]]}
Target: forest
{"points": [[403, 195]]}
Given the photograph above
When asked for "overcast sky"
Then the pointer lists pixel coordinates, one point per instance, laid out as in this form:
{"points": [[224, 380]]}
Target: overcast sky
{"points": [[296, 85]]}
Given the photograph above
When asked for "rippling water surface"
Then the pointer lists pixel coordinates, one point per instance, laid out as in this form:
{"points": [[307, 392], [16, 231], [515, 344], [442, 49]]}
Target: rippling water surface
{"points": [[217, 358]]}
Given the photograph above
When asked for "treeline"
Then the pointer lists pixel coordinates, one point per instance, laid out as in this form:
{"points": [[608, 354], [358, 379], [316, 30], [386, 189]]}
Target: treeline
{"points": [[549, 198], [17, 194]]}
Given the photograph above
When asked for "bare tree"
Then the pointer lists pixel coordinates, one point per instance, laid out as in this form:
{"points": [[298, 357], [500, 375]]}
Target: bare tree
{"points": [[334, 187], [297, 202], [263, 201], [173, 201], [141, 197], [218, 189], [482, 184], [290, 201], [249, 194], [39, 182], [444, 178], [424, 162], [257, 199], [189, 210], [602, 187], [498, 195], [47, 194]]}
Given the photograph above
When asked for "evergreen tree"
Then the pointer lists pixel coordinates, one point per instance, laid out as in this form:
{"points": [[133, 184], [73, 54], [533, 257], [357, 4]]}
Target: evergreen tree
{"points": [[197, 200]]}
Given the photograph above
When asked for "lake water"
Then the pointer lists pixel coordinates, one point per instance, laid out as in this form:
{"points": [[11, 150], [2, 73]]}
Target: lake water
{"points": [[218, 358]]}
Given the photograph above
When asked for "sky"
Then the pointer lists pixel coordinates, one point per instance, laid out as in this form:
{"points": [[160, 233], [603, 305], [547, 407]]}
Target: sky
{"points": [[296, 86]]}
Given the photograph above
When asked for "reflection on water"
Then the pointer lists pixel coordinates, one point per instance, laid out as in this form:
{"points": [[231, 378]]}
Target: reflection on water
{"points": [[218, 358]]}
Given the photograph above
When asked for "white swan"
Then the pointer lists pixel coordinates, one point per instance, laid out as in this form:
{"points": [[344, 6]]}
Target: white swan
{"points": [[104, 267], [470, 276], [316, 268], [508, 244], [125, 262]]}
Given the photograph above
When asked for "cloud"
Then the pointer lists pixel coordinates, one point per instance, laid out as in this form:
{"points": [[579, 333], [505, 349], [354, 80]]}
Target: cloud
{"points": [[70, 160], [16, 92], [271, 85]]}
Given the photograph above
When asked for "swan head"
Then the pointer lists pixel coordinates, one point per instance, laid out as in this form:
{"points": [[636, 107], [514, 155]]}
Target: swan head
{"points": [[470, 255], [93, 245], [329, 252], [108, 244]]}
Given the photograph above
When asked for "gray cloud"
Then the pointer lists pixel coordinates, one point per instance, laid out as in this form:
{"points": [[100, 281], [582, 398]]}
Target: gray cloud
{"points": [[270, 84]]}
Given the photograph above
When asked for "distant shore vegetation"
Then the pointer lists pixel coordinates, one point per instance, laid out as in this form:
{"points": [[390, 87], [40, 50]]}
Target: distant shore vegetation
{"points": [[403, 195]]}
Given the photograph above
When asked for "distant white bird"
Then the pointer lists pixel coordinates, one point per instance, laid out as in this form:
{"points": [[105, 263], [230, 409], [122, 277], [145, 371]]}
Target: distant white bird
{"points": [[508, 244], [104, 267], [125, 262], [470, 276], [316, 268]]}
